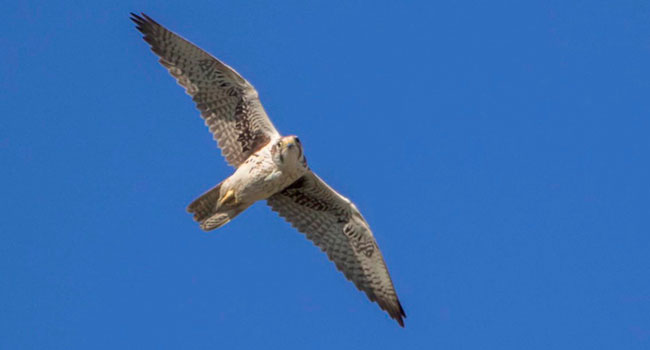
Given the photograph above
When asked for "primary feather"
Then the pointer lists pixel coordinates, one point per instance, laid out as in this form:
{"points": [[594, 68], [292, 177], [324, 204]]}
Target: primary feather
{"points": [[229, 104]]}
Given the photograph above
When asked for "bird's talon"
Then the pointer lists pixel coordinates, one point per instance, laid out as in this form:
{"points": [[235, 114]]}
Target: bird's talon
{"points": [[229, 196]]}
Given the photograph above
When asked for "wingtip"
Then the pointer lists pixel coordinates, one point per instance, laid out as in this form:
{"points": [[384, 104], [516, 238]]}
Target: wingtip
{"points": [[401, 315], [148, 18], [401, 309], [136, 18], [142, 20]]}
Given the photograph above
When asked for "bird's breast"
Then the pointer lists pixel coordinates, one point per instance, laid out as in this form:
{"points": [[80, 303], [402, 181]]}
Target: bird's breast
{"points": [[259, 178]]}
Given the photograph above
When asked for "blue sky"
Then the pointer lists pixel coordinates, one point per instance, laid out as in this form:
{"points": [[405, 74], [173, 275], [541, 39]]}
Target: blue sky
{"points": [[499, 151]]}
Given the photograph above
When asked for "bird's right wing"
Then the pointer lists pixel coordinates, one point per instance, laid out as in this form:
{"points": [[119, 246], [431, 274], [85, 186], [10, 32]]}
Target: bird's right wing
{"points": [[229, 104], [335, 225]]}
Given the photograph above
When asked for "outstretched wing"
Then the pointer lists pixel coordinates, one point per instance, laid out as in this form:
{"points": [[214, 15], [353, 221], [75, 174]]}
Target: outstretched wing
{"points": [[335, 225], [229, 104]]}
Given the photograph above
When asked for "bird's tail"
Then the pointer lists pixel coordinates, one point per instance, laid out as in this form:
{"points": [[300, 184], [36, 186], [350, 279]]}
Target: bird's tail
{"points": [[209, 213]]}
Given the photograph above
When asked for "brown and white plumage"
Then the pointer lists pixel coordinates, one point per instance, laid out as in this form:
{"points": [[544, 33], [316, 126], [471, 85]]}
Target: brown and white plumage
{"points": [[229, 104], [336, 226], [269, 167]]}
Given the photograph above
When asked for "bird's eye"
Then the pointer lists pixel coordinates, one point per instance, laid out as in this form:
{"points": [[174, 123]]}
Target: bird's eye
{"points": [[297, 140]]}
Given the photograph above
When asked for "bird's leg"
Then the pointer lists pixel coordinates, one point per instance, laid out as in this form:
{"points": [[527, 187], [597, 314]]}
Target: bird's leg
{"points": [[228, 197]]}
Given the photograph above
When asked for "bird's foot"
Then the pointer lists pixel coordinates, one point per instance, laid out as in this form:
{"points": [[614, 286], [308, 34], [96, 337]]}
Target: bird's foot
{"points": [[228, 197]]}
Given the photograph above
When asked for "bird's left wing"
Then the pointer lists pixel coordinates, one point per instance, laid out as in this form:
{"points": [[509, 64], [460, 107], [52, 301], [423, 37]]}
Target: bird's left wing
{"points": [[229, 104], [335, 225]]}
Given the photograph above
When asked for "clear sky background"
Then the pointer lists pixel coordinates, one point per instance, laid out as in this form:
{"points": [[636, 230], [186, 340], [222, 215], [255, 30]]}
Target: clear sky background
{"points": [[498, 149]]}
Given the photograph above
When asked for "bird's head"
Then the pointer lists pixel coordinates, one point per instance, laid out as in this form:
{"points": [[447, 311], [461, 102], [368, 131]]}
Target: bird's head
{"points": [[288, 150]]}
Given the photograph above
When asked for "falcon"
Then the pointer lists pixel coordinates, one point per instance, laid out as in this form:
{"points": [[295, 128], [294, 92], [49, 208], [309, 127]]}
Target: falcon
{"points": [[269, 167]]}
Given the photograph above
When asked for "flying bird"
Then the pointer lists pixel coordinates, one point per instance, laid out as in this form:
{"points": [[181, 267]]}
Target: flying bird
{"points": [[269, 167]]}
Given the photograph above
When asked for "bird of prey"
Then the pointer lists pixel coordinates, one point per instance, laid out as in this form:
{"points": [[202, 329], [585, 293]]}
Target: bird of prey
{"points": [[269, 167]]}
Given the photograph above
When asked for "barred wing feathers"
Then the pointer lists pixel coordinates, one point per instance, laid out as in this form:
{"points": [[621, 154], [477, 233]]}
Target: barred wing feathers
{"points": [[228, 103], [335, 225]]}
